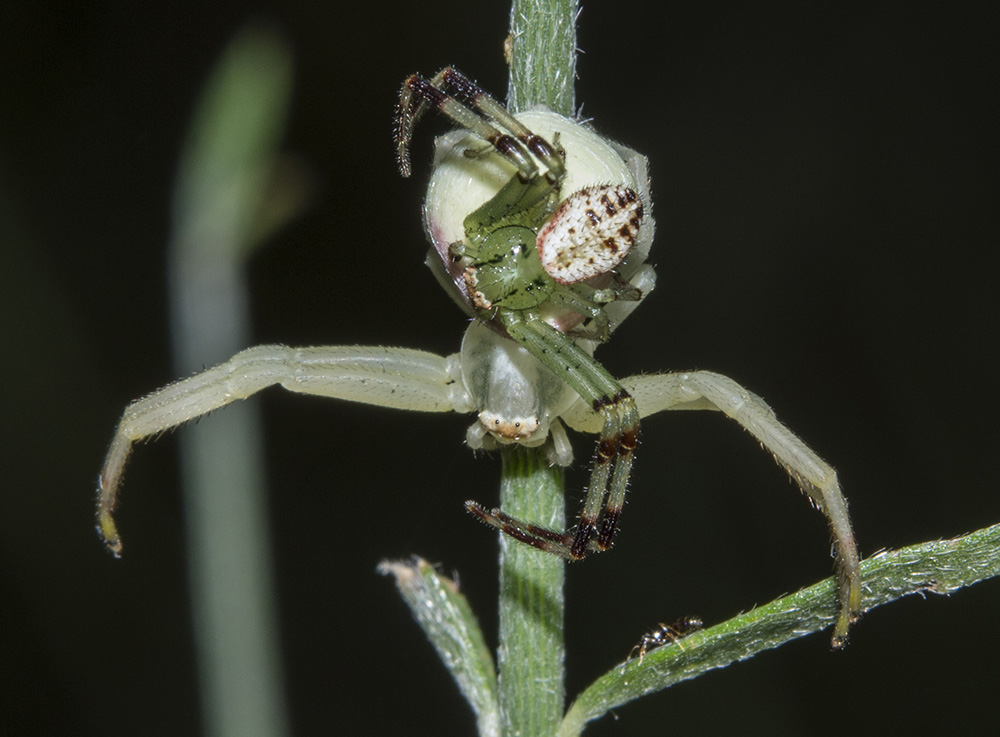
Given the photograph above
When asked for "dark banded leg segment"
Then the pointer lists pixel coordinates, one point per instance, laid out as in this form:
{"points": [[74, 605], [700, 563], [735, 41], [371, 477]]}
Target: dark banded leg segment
{"points": [[612, 459], [550, 541], [505, 133]]}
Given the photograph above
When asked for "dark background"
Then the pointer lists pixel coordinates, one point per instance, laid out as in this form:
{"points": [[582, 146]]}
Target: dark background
{"points": [[825, 184]]}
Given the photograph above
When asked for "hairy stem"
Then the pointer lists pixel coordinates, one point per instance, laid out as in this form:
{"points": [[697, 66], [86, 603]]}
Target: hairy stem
{"points": [[532, 651], [541, 52], [542, 58]]}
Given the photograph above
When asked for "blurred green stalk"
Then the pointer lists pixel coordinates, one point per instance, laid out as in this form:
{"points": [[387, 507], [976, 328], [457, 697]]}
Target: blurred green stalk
{"points": [[218, 211]]}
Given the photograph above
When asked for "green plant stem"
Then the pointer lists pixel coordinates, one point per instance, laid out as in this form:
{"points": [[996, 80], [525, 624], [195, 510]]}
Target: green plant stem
{"points": [[542, 59], [532, 650], [531, 655]]}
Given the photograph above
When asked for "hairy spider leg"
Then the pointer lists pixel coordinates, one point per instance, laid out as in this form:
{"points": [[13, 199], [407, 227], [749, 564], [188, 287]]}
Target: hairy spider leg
{"points": [[418, 93], [589, 302], [613, 456], [491, 108], [385, 377], [708, 390]]}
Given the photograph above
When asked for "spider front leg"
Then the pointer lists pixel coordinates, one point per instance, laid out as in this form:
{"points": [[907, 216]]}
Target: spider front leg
{"points": [[816, 477], [385, 377], [515, 141], [613, 456]]}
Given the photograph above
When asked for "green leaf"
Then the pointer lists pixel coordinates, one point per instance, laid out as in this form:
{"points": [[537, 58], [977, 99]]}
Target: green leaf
{"points": [[446, 618]]}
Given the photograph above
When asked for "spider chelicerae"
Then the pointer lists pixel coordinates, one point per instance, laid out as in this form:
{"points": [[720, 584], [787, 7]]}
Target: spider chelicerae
{"points": [[540, 229]]}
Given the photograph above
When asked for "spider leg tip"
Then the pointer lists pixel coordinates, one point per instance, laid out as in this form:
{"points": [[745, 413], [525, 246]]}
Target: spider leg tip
{"points": [[108, 532], [478, 511]]}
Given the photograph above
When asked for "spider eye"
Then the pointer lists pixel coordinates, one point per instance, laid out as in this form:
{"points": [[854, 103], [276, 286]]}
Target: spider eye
{"points": [[511, 429]]}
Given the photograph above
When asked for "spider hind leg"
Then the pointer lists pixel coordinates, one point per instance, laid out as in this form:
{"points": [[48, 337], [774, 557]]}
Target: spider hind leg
{"points": [[542, 538]]}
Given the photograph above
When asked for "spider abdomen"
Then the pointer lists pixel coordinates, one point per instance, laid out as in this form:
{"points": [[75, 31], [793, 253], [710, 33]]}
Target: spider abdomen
{"points": [[591, 233]]}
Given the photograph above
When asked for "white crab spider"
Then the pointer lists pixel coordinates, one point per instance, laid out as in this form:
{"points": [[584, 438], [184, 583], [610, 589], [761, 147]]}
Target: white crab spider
{"points": [[539, 229]]}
